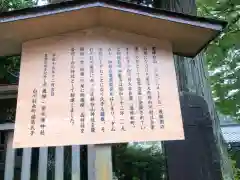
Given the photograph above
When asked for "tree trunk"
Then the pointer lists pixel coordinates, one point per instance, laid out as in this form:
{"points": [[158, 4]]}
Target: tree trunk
{"points": [[192, 77]]}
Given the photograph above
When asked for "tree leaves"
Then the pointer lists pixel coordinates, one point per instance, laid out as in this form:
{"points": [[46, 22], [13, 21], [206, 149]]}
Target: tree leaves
{"points": [[9, 66], [138, 162], [8, 5], [223, 55], [9, 69]]}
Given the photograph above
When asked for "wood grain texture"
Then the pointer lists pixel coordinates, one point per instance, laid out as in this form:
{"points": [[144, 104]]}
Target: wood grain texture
{"points": [[111, 105]]}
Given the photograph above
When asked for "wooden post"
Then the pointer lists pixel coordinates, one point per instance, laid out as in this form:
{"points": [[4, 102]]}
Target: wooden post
{"points": [[91, 161], [42, 167], [76, 162], [59, 163], [103, 162], [26, 164], [197, 157], [99, 162], [10, 156]]}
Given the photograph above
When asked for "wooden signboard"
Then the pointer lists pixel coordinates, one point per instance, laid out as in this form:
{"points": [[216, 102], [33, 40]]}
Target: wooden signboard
{"points": [[96, 86]]}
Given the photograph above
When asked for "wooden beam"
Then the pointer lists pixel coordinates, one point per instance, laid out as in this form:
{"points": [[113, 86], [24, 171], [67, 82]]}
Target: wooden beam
{"points": [[8, 91], [6, 126], [8, 96], [8, 88]]}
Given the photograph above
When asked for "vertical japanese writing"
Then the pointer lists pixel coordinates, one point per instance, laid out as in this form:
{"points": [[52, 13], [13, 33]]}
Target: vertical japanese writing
{"points": [[102, 112], [44, 96], [72, 90], [53, 74], [110, 81], [149, 94], [120, 88], [157, 79], [82, 116], [139, 90], [92, 98], [33, 111], [130, 91]]}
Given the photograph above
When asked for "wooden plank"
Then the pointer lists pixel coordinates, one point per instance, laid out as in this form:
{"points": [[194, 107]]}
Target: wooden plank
{"points": [[75, 162], [6, 126], [8, 88], [8, 96], [10, 155], [8, 91], [91, 156], [26, 164], [42, 166], [100, 162], [59, 163], [103, 163]]}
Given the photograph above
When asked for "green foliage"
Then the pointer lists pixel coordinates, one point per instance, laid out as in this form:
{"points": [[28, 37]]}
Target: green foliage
{"points": [[234, 155], [7, 5], [236, 171], [223, 55], [9, 69], [9, 66], [138, 162]]}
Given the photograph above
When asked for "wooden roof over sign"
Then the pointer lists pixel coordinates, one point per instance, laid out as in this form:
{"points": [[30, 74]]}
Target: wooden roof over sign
{"points": [[188, 34]]}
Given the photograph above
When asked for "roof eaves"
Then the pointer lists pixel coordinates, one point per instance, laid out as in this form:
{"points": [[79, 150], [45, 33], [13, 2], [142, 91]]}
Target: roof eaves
{"points": [[120, 5], [68, 6]]}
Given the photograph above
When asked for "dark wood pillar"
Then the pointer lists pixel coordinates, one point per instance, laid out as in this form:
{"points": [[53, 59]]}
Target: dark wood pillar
{"points": [[196, 157]]}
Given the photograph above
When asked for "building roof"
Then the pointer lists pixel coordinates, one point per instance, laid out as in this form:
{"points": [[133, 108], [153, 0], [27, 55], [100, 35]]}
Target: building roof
{"points": [[188, 34], [231, 133]]}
